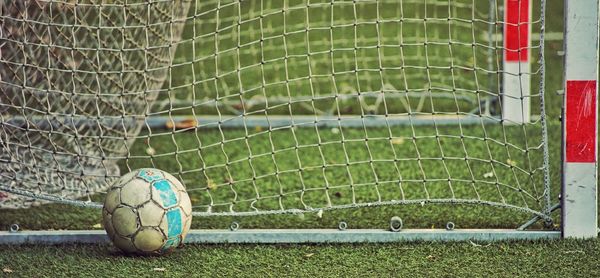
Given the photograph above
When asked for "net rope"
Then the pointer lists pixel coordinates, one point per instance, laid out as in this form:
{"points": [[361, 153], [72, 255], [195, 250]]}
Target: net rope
{"points": [[264, 107]]}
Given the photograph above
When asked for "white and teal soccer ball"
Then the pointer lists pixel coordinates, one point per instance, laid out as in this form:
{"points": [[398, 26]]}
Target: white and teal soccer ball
{"points": [[147, 211]]}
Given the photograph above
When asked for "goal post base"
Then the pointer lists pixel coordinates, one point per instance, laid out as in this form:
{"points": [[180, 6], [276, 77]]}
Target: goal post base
{"points": [[251, 236]]}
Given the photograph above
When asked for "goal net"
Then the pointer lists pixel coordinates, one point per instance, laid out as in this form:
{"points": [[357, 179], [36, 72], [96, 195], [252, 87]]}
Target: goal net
{"points": [[270, 107]]}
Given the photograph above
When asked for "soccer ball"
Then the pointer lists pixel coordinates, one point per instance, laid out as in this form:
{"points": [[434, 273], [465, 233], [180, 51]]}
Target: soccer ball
{"points": [[147, 212]]}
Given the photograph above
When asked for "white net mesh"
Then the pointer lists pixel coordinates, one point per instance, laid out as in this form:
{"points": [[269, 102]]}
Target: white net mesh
{"points": [[264, 107], [76, 77]]}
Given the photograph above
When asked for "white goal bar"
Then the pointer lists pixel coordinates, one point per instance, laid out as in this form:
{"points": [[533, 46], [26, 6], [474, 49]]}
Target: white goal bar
{"points": [[580, 120], [253, 236], [516, 77]]}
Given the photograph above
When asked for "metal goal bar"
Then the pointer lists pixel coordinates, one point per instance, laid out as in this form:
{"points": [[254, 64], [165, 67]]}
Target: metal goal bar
{"points": [[252, 236]]}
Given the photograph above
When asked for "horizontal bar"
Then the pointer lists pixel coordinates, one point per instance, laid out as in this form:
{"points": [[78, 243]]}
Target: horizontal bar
{"points": [[53, 237], [363, 235], [290, 236], [211, 121], [273, 121], [236, 121]]}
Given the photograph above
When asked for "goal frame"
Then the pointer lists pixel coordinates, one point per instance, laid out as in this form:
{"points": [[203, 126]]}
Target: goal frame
{"points": [[579, 172]]}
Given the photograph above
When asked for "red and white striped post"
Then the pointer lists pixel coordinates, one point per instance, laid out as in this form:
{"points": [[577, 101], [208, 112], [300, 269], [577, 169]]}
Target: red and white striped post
{"points": [[580, 116], [516, 77]]}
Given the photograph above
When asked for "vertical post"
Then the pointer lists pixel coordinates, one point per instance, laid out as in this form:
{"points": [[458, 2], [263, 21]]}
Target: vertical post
{"points": [[516, 77], [580, 116]]}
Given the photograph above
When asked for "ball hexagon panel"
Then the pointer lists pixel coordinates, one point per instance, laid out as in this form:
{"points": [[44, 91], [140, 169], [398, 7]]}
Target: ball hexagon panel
{"points": [[174, 181], [173, 226], [149, 239], [165, 194], [135, 192], [124, 221], [151, 214], [186, 227], [125, 178], [164, 225], [112, 199], [150, 175], [176, 223], [185, 203], [124, 244], [107, 223]]}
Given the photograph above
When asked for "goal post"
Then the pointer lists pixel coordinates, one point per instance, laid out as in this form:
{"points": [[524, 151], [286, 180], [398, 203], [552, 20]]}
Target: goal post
{"points": [[300, 121], [516, 77], [580, 127]]}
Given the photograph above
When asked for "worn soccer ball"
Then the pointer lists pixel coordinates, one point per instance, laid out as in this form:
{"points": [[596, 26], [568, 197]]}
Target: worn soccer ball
{"points": [[147, 211]]}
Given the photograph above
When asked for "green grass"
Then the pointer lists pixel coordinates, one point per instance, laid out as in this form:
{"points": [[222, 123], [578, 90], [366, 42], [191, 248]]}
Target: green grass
{"points": [[412, 188], [510, 259], [565, 258]]}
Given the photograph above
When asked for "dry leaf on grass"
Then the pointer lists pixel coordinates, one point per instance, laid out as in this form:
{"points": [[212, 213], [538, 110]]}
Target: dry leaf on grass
{"points": [[211, 185], [398, 141], [479, 245]]}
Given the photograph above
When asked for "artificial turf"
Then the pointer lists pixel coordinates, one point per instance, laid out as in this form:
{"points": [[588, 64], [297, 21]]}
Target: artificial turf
{"points": [[568, 258]]}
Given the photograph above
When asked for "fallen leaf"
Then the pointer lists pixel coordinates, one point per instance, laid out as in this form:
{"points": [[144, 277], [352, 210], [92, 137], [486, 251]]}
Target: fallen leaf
{"points": [[150, 151], [159, 269], [97, 226], [183, 124], [187, 123], [511, 162], [398, 141], [430, 257], [488, 175], [309, 255], [7, 270], [210, 184], [320, 213], [478, 245]]}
